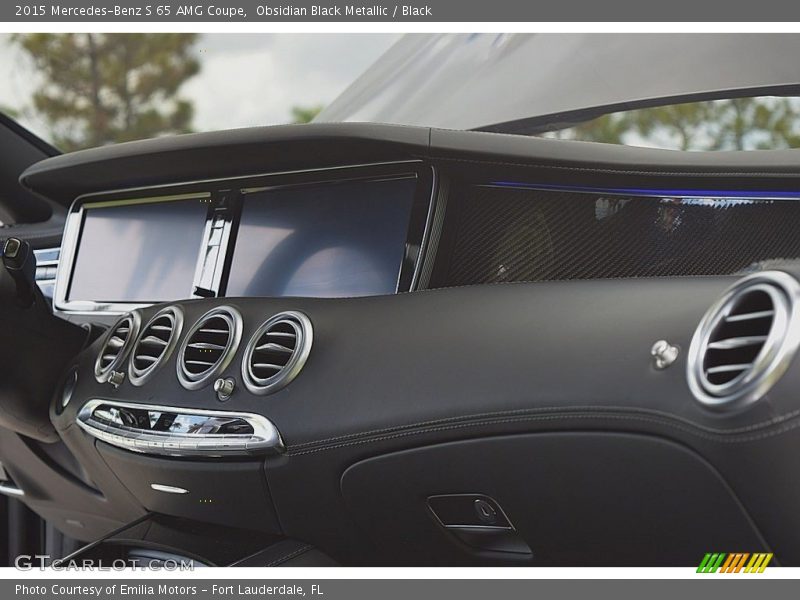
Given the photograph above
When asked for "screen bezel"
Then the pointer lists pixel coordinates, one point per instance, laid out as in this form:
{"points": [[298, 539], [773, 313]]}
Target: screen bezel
{"points": [[225, 198], [88, 208]]}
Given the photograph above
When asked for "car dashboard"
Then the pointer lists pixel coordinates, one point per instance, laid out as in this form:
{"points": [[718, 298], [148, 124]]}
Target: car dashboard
{"points": [[408, 346]]}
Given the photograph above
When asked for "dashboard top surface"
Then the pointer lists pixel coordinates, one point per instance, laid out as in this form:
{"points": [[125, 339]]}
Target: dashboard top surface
{"points": [[245, 152]]}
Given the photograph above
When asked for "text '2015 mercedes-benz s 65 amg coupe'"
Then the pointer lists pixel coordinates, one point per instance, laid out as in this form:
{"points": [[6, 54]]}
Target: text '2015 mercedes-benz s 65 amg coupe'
{"points": [[439, 325]]}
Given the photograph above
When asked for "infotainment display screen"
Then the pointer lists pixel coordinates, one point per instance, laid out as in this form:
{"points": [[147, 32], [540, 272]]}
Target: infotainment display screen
{"points": [[332, 240], [138, 251]]}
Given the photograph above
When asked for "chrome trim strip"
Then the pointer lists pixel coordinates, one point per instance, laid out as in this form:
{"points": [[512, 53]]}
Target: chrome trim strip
{"points": [[265, 436], [151, 200], [428, 256], [426, 235], [47, 257], [11, 491], [46, 270], [244, 177], [775, 356], [213, 252], [168, 489]]}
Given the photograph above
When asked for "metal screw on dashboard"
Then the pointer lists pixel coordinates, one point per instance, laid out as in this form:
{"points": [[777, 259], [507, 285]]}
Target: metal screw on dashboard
{"points": [[664, 354], [116, 378], [224, 388]]}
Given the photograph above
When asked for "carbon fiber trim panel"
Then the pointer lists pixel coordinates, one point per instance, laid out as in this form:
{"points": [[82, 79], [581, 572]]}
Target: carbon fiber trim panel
{"points": [[497, 234]]}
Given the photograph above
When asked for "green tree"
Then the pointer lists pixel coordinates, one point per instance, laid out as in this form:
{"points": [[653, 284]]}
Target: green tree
{"points": [[305, 114], [610, 129], [102, 88], [729, 124], [9, 112]]}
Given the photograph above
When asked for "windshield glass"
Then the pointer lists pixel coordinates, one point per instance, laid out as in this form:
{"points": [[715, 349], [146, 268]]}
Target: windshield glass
{"points": [[78, 90], [526, 84], [760, 123]]}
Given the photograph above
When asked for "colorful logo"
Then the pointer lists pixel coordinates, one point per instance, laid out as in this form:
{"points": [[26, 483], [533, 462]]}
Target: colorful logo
{"points": [[738, 562]]}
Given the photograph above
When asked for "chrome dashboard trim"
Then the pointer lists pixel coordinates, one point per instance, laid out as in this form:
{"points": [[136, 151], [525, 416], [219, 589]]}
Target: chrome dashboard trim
{"points": [[775, 356], [46, 269], [102, 374], [139, 377], [11, 491], [47, 257], [265, 437], [74, 222], [168, 489], [304, 331], [245, 177], [426, 235], [433, 234], [213, 251]]}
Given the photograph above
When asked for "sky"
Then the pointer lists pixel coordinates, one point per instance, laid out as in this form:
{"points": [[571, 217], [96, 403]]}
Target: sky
{"points": [[245, 80]]}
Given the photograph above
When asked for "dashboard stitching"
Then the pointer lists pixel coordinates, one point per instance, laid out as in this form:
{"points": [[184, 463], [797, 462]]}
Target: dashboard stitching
{"points": [[291, 555], [622, 171], [577, 409], [712, 437]]}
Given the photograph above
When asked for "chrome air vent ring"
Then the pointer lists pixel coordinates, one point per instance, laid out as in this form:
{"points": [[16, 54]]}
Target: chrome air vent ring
{"points": [[116, 344], [209, 347], [155, 344], [746, 341], [277, 352]]}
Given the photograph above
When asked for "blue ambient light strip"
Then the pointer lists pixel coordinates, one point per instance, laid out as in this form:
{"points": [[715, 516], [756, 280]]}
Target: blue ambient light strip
{"points": [[665, 193]]}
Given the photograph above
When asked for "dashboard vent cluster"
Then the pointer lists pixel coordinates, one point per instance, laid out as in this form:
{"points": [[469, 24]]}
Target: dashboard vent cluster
{"points": [[115, 346], [155, 344], [277, 352], [209, 347], [745, 341], [274, 356]]}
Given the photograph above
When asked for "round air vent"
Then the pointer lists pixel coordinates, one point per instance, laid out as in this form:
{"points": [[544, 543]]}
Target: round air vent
{"points": [[209, 347], [745, 341], [277, 352], [155, 344], [115, 346]]}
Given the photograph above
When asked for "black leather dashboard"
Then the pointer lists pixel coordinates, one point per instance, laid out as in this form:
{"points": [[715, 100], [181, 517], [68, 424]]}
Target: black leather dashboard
{"points": [[531, 385]]}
